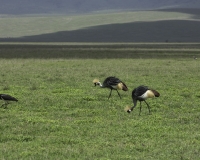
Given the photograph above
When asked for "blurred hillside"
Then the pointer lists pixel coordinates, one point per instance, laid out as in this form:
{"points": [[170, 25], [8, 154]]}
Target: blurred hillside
{"points": [[86, 6]]}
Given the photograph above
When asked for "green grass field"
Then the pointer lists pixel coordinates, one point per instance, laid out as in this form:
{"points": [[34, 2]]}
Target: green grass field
{"points": [[61, 115]]}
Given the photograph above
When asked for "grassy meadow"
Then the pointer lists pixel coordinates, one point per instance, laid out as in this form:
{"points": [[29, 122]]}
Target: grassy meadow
{"points": [[61, 115]]}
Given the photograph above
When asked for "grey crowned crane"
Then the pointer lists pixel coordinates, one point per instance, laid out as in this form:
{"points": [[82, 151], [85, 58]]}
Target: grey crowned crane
{"points": [[6, 98], [141, 93], [112, 83]]}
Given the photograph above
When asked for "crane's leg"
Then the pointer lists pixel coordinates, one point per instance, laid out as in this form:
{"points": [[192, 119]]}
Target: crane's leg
{"points": [[5, 104], [110, 93], [140, 107], [148, 107], [119, 94]]}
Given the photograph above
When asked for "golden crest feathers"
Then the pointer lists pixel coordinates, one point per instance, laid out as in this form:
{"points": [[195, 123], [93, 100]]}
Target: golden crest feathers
{"points": [[127, 108], [95, 80]]}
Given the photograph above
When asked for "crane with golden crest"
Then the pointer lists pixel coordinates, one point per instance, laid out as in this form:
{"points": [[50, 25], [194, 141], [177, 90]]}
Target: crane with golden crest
{"points": [[111, 83], [142, 93]]}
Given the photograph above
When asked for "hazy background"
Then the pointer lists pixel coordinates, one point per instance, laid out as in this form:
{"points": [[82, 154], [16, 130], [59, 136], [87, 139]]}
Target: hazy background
{"points": [[100, 21], [85, 6]]}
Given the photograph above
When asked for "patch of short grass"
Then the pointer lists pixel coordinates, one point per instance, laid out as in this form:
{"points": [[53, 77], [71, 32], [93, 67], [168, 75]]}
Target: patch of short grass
{"points": [[61, 115]]}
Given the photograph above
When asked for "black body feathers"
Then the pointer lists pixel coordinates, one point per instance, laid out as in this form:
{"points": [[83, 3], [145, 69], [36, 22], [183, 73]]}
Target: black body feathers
{"points": [[6, 98], [112, 83], [141, 93]]}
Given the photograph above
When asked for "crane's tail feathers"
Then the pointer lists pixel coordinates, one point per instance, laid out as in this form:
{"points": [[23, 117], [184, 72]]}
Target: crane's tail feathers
{"points": [[155, 93], [122, 86], [95, 81], [125, 88], [127, 109]]}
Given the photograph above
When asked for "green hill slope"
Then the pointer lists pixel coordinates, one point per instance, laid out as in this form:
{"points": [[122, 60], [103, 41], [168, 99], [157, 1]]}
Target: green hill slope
{"points": [[106, 27]]}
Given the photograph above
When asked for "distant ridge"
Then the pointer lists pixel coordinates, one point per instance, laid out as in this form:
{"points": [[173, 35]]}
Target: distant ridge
{"points": [[14, 7], [158, 31], [161, 25]]}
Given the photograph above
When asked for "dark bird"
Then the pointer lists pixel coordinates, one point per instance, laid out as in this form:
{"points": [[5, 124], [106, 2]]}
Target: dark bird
{"points": [[141, 93], [112, 83], [6, 98]]}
